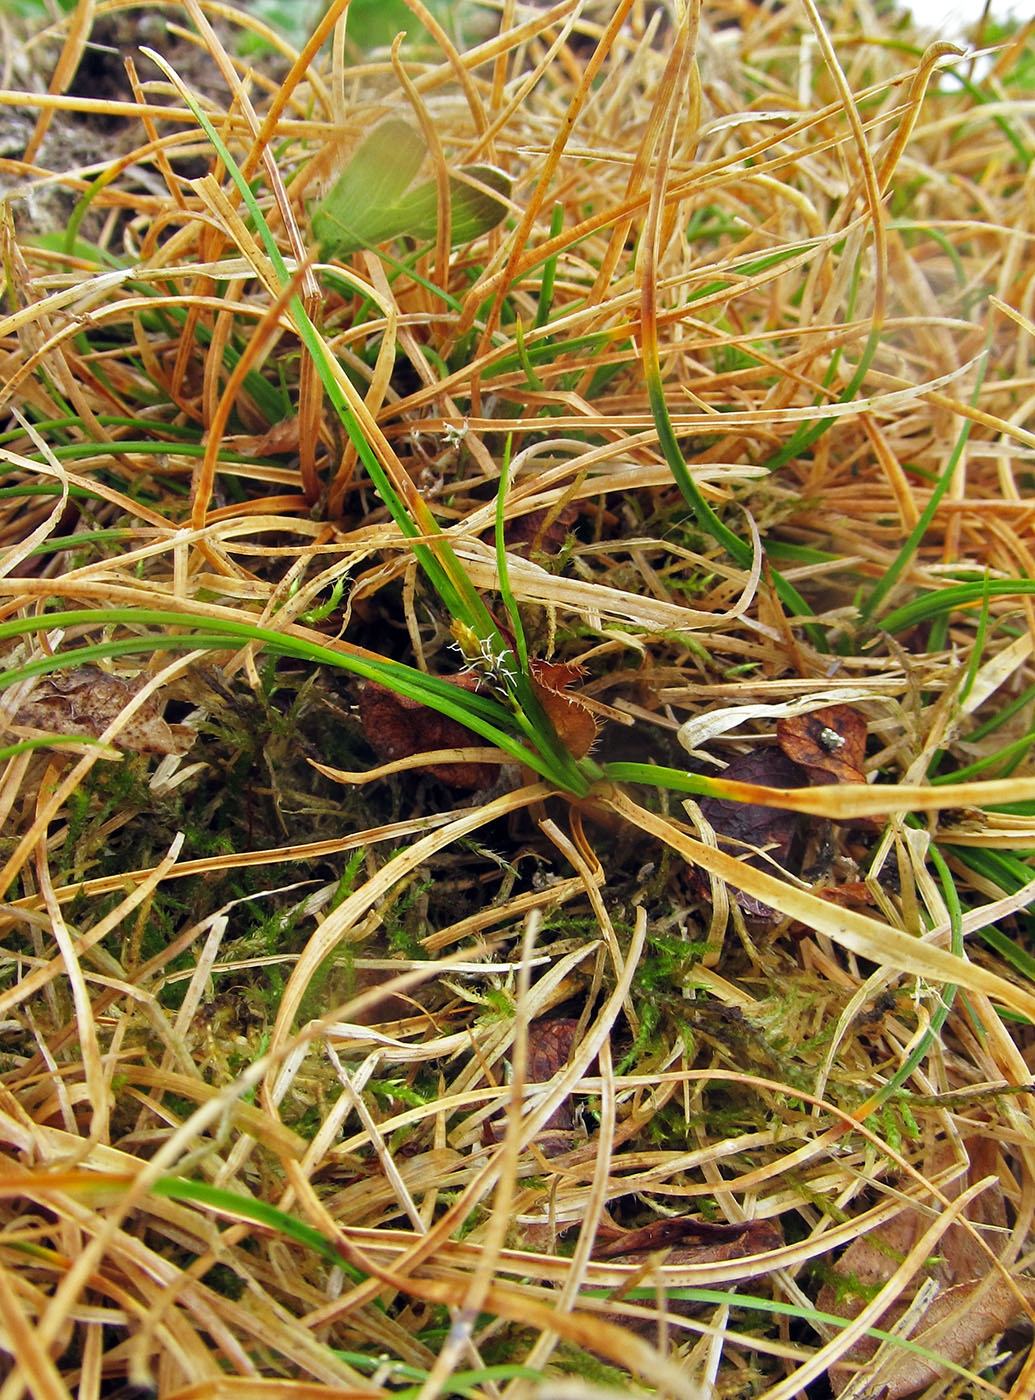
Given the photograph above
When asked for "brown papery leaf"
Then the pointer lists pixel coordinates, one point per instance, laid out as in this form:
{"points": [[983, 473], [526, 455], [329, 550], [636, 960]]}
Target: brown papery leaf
{"points": [[85, 700], [692, 1241], [853, 894], [396, 727], [974, 1304], [576, 727], [540, 531], [549, 1047], [745, 824], [686, 1241], [276, 441], [830, 744], [957, 1322]]}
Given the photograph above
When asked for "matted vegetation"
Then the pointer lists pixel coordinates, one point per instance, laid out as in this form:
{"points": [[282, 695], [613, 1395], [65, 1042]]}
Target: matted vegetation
{"points": [[667, 1026]]}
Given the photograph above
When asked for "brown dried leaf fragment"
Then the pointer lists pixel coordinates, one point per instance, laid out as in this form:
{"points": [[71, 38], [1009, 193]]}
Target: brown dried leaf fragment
{"points": [[853, 894], [282, 438], [692, 1241], [396, 727], [540, 531], [576, 728], [974, 1305], [959, 1321], [744, 824], [85, 700], [830, 744], [683, 1241], [550, 1044]]}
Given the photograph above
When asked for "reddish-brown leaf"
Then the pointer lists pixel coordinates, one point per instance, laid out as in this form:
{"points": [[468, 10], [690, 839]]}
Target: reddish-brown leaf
{"points": [[684, 1241], [540, 531], [281, 438], [576, 727], [692, 1241], [86, 699], [830, 744], [853, 894], [550, 1044], [549, 1047], [956, 1323], [741, 824], [750, 822], [396, 727]]}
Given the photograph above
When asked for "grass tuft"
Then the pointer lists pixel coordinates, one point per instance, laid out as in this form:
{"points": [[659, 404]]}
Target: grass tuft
{"points": [[665, 383]]}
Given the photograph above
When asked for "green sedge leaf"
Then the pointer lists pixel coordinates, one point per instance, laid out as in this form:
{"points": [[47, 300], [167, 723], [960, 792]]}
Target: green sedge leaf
{"points": [[355, 212], [478, 198], [368, 203]]}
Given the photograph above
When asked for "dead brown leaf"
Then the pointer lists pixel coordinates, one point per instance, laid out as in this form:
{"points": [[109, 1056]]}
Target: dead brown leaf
{"points": [[550, 1045], [549, 1048], [853, 894], [830, 744], [540, 531], [576, 727], [684, 1241], [396, 727], [280, 439], [973, 1305], [690, 1241], [85, 700], [748, 824]]}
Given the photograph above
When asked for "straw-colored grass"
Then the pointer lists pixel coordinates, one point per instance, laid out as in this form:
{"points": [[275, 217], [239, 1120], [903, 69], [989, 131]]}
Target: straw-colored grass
{"points": [[324, 1078]]}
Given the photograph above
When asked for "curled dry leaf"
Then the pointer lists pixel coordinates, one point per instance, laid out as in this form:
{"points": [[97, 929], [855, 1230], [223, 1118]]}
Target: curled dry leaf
{"points": [[540, 531], [691, 1241], [830, 744], [853, 894], [974, 1303], [576, 727], [396, 727], [550, 1044], [281, 438], [738, 825], [85, 700], [825, 746], [549, 1048], [685, 1241]]}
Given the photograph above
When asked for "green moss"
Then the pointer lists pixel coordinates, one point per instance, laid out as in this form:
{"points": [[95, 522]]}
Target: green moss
{"points": [[573, 1361]]}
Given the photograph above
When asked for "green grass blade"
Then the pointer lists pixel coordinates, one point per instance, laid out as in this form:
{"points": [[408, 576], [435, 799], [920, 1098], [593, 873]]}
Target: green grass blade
{"points": [[890, 578], [439, 561], [506, 592], [461, 602], [480, 713], [735, 547], [946, 996], [542, 314], [953, 598], [234, 1204]]}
